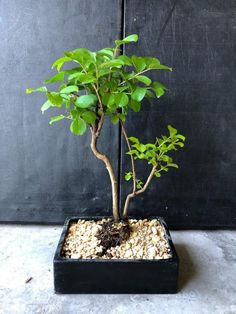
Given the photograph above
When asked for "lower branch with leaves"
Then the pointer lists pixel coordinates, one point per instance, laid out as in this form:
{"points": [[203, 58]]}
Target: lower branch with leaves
{"points": [[155, 155]]}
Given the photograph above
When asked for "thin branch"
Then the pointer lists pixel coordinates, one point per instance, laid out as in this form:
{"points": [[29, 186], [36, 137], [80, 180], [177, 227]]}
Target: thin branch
{"points": [[148, 181], [101, 120], [113, 56], [133, 194], [137, 74], [131, 156], [96, 89], [100, 124]]}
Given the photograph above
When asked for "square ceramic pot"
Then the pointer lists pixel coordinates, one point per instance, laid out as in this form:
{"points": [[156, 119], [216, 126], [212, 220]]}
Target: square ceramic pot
{"points": [[116, 275]]}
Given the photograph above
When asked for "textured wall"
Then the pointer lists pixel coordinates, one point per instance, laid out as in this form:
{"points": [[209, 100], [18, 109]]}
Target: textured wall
{"points": [[46, 176], [47, 173], [198, 39]]}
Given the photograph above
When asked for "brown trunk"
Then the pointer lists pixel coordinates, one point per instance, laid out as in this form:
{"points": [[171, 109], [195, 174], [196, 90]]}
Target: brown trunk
{"points": [[105, 159]]}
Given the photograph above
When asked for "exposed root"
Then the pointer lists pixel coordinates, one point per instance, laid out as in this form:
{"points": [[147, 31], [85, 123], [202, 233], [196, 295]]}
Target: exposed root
{"points": [[113, 234]]}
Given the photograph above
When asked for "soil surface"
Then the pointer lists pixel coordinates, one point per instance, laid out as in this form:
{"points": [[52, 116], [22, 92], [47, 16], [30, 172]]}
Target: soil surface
{"points": [[104, 239]]}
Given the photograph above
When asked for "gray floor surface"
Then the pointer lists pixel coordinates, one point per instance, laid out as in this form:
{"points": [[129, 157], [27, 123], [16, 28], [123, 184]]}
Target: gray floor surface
{"points": [[207, 276]]}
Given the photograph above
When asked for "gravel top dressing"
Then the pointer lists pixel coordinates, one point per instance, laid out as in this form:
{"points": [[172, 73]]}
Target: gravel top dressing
{"points": [[104, 239]]}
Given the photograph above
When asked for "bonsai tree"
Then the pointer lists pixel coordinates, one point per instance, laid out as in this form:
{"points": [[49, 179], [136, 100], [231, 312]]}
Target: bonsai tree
{"points": [[107, 83]]}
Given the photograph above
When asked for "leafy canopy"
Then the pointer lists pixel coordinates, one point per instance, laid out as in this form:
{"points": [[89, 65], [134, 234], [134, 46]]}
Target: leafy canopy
{"points": [[105, 82], [102, 80]]}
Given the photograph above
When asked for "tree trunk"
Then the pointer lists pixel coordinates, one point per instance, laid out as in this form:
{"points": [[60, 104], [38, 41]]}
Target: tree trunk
{"points": [[114, 185]]}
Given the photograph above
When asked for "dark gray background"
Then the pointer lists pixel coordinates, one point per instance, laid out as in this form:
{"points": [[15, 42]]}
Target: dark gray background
{"points": [[198, 39], [47, 174]]}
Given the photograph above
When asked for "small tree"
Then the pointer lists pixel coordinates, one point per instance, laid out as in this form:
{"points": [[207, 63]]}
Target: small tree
{"points": [[105, 83]]}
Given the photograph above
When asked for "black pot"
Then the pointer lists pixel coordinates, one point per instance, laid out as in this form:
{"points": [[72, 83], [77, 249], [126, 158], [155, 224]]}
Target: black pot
{"points": [[115, 276]]}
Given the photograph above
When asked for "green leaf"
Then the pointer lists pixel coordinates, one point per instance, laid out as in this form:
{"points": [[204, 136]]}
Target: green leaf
{"points": [[140, 147], [67, 104], [159, 67], [108, 99], [69, 89], [116, 63], [157, 174], [86, 101], [150, 153], [122, 117], [153, 146], [158, 84], [111, 84], [173, 165], [132, 152], [159, 89], [106, 52], [144, 79], [125, 59], [152, 162], [59, 77], [73, 70], [129, 75], [166, 158], [133, 139], [115, 119], [105, 71], [74, 113], [89, 117], [66, 97], [154, 63], [172, 130], [46, 106], [55, 98], [128, 39], [82, 55], [139, 63], [82, 77], [138, 94], [159, 92], [78, 126], [42, 89], [135, 105], [164, 169], [56, 118], [141, 156], [121, 99], [122, 88], [180, 144], [171, 146], [181, 137], [149, 94], [86, 78], [74, 75], [59, 62], [128, 176], [139, 184], [150, 61]]}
